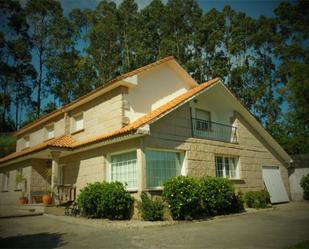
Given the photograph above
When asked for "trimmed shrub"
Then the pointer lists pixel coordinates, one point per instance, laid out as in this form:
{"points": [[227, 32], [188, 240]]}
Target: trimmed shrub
{"points": [[182, 195], [217, 195], [304, 183], [257, 199], [238, 203], [152, 210], [105, 200]]}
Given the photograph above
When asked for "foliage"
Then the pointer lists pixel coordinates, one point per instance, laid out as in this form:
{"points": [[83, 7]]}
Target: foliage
{"points": [[105, 200], [237, 203], [152, 210], [263, 60], [182, 195], [7, 145], [217, 195], [257, 199], [190, 198], [304, 183], [301, 245]]}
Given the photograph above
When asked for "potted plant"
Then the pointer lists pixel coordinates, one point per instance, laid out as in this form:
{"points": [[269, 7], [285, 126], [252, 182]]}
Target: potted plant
{"points": [[20, 179], [47, 197]]}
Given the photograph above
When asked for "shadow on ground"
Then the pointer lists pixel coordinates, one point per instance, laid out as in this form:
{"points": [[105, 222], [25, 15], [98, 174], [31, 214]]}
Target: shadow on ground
{"points": [[39, 240]]}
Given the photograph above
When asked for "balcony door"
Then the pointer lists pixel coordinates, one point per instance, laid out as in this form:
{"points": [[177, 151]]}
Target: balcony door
{"points": [[202, 120]]}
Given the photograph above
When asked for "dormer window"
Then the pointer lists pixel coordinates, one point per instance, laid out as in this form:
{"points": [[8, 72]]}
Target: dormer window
{"points": [[27, 141], [78, 122], [50, 131]]}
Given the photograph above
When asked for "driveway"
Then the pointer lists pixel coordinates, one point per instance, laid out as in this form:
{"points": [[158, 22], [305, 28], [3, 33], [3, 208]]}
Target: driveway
{"points": [[286, 225]]}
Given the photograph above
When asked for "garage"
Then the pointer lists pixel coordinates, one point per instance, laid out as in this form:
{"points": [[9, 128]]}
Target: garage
{"points": [[274, 184]]}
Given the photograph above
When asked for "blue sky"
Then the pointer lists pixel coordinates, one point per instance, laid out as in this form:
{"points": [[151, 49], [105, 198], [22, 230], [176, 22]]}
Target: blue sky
{"points": [[253, 8]]}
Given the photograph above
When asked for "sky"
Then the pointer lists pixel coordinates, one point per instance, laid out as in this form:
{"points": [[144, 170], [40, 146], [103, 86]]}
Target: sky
{"points": [[253, 8]]}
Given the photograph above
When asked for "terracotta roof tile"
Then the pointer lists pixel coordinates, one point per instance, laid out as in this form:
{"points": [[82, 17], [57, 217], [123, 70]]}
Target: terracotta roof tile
{"points": [[68, 142], [61, 142], [150, 116]]}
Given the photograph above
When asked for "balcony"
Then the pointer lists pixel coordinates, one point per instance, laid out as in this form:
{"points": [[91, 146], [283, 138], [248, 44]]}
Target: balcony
{"points": [[213, 131]]}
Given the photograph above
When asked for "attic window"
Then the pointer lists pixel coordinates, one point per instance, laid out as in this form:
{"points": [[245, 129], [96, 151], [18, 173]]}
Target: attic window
{"points": [[50, 131], [79, 122]]}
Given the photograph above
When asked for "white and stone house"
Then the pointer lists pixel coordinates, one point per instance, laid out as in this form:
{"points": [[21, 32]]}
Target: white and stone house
{"points": [[142, 128]]}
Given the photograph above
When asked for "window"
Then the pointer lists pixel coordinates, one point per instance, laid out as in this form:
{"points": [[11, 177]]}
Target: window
{"points": [[161, 165], [5, 181], [27, 141], [50, 131], [202, 119], [78, 122], [18, 185], [123, 168], [227, 167]]}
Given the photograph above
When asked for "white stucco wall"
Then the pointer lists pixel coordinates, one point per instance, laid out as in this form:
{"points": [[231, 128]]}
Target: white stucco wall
{"points": [[221, 111], [294, 178], [155, 88]]}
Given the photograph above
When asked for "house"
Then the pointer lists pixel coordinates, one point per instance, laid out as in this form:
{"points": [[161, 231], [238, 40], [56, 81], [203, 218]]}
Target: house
{"points": [[142, 128]]}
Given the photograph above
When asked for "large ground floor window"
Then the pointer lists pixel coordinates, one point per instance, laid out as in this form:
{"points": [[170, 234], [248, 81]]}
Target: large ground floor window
{"points": [[124, 168], [162, 165], [227, 167]]}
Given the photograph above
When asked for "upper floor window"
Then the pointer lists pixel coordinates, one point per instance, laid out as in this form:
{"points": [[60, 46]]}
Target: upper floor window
{"points": [[78, 122], [27, 141], [123, 168], [5, 181], [227, 167], [50, 131], [162, 165]]}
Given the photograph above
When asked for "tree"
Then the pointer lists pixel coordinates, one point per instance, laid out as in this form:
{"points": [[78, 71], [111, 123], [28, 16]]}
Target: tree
{"points": [[42, 17], [16, 68]]}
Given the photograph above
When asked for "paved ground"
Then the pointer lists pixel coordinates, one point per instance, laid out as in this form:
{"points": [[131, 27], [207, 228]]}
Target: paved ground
{"points": [[286, 225]]}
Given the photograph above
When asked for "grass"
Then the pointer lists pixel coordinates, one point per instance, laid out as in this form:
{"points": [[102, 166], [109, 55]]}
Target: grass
{"points": [[301, 245]]}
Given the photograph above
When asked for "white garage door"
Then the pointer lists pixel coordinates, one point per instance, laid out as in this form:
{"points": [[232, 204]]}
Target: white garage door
{"points": [[274, 184]]}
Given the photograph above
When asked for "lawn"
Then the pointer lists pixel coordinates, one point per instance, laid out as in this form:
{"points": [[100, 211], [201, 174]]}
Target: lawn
{"points": [[301, 245]]}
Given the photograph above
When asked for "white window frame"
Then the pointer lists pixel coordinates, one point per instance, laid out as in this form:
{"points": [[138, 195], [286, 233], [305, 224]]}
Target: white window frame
{"points": [[27, 141], [109, 171], [50, 131], [237, 164], [5, 181], [78, 118], [182, 158]]}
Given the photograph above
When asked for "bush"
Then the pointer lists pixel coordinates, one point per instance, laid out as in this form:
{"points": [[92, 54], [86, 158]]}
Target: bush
{"points": [[152, 210], [237, 203], [257, 199], [217, 195], [182, 195], [304, 183], [105, 200]]}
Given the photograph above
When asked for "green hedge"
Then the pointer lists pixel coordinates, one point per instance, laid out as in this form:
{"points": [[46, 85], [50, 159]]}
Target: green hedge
{"points": [[257, 199], [182, 195], [216, 195], [105, 200], [152, 210], [304, 183], [190, 198]]}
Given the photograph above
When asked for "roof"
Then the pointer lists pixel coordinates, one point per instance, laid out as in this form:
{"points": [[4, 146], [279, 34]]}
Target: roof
{"points": [[59, 111], [68, 142], [64, 141]]}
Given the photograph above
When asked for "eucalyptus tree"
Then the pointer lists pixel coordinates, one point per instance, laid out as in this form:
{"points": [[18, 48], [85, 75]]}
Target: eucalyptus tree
{"points": [[103, 37], [15, 66], [41, 17]]}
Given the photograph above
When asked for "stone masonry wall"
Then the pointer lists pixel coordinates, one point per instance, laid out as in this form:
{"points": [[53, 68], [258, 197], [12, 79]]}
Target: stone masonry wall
{"points": [[174, 132]]}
